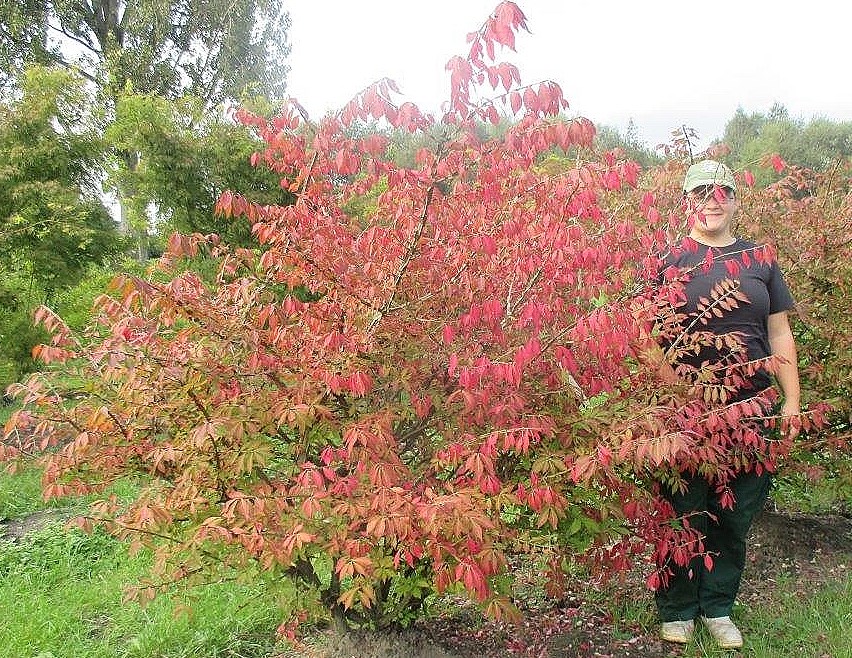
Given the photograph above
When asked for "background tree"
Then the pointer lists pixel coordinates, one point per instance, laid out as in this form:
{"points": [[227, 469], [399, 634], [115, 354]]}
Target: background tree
{"points": [[821, 145], [23, 38], [53, 224], [817, 144], [741, 129], [213, 50], [609, 138], [191, 156], [210, 51]]}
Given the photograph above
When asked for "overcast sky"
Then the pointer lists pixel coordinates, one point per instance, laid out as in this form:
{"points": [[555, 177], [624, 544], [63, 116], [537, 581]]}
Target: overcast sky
{"points": [[661, 63]]}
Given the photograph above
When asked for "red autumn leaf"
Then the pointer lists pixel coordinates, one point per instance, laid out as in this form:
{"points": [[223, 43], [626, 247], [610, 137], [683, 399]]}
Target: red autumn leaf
{"points": [[611, 179], [531, 100], [708, 260], [515, 101], [223, 205], [732, 266]]}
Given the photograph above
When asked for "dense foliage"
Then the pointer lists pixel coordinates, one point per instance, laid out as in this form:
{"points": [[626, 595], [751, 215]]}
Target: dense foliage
{"points": [[197, 55], [53, 224], [806, 214], [189, 157], [51, 216]]}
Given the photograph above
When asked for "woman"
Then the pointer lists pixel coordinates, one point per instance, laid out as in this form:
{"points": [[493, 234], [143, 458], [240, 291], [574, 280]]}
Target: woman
{"points": [[762, 325]]}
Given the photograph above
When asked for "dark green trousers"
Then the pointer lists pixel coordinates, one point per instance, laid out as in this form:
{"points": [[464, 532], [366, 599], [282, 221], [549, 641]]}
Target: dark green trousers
{"points": [[694, 590]]}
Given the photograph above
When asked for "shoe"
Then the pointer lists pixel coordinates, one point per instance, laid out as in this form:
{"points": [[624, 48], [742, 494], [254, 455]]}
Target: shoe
{"points": [[679, 632], [724, 631]]}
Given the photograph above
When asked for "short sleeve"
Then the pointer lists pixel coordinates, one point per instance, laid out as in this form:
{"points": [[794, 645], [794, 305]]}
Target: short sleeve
{"points": [[780, 297]]}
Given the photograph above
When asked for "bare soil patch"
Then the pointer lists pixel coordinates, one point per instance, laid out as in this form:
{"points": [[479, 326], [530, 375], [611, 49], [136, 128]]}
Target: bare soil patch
{"points": [[807, 551], [14, 529]]}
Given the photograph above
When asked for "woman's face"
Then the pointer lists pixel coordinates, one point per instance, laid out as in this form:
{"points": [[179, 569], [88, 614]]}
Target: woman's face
{"points": [[713, 208]]}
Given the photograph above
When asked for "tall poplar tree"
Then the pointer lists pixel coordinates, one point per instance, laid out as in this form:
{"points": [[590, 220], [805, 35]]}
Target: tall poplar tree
{"points": [[212, 49]]}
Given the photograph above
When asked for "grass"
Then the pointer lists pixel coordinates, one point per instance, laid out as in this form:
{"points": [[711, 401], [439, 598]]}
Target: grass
{"points": [[830, 492], [61, 597], [20, 495], [62, 593], [815, 626]]}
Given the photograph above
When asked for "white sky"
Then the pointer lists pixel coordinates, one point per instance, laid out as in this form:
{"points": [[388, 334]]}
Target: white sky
{"points": [[661, 63]]}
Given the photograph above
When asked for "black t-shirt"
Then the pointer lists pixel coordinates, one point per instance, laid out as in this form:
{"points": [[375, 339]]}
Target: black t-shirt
{"points": [[744, 272]]}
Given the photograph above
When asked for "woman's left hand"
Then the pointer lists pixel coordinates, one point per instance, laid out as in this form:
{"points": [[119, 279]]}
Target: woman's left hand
{"points": [[790, 419]]}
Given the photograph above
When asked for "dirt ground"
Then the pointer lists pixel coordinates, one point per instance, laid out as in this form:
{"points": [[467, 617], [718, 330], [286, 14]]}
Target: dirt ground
{"points": [[806, 551]]}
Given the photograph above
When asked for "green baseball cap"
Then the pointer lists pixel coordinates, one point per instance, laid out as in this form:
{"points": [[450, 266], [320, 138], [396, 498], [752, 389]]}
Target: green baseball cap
{"points": [[708, 172]]}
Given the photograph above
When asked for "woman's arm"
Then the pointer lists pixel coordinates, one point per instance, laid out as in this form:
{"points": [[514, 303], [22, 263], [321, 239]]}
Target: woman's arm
{"points": [[782, 344]]}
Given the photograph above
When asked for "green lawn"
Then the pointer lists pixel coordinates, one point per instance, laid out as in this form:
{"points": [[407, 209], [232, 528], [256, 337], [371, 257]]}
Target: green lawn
{"points": [[61, 597]]}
